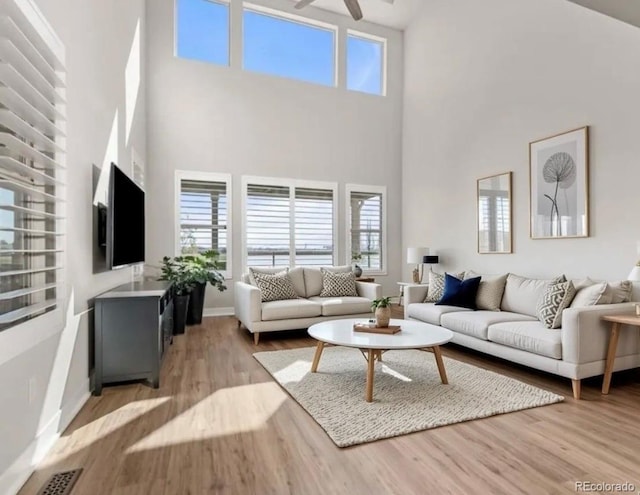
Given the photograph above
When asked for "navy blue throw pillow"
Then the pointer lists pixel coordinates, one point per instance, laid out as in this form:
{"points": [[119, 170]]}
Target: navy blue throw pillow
{"points": [[461, 293]]}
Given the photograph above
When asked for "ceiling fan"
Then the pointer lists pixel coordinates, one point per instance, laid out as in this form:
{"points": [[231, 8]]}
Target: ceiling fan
{"points": [[352, 5]]}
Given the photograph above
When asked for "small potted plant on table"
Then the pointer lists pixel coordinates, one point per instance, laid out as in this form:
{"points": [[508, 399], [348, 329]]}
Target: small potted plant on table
{"points": [[382, 311]]}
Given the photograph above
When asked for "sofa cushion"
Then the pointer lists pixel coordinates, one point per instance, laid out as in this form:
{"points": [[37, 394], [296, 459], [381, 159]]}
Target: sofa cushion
{"points": [[295, 274], [338, 284], [620, 291], [521, 294], [490, 292], [476, 323], [336, 306], [429, 312], [553, 302], [529, 336], [274, 286], [313, 278], [290, 308], [435, 290]]}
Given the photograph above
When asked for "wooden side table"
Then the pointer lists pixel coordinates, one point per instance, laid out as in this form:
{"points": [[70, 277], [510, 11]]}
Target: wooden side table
{"points": [[365, 279], [617, 321]]}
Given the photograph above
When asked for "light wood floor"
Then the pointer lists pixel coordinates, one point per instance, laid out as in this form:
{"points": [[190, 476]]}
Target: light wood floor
{"points": [[219, 424]]}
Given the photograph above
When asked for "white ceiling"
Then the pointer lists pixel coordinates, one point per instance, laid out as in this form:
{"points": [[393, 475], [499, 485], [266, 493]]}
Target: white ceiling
{"points": [[396, 15]]}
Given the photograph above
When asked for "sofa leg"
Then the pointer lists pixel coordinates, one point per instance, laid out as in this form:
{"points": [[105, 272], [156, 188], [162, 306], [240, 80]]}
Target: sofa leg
{"points": [[256, 338], [577, 388]]}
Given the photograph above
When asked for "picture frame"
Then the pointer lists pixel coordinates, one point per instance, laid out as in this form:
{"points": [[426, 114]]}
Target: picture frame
{"points": [[495, 214], [559, 185]]}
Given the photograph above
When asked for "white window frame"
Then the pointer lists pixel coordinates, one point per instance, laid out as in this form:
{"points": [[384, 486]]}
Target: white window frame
{"points": [[181, 175], [17, 339], [376, 39], [291, 184], [305, 21], [382, 190], [229, 23]]}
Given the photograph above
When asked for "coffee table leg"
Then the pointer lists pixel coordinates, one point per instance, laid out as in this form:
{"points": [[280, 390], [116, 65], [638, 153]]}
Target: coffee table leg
{"points": [[316, 358], [371, 361], [440, 363]]}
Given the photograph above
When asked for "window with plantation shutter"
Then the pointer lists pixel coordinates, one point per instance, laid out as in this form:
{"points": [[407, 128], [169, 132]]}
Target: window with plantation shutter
{"points": [[204, 212], [289, 223], [367, 228], [32, 158]]}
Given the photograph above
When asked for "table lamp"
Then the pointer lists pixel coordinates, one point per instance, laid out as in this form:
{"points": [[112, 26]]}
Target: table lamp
{"points": [[430, 260], [634, 275], [415, 256]]}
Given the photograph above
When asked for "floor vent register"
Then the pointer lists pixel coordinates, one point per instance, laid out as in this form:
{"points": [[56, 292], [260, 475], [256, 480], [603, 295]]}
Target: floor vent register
{"points": [[61, 483]]}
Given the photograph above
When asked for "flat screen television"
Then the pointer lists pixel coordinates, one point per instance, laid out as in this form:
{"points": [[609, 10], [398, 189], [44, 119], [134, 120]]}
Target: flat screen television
{"points": [[125, 221]]}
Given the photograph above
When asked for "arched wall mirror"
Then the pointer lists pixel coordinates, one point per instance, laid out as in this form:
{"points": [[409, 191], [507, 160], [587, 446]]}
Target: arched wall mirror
{"points": [[494, 214]]}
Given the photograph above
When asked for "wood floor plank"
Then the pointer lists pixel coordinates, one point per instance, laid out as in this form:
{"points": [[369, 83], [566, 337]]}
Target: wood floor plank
{"points": [[219, 424]]}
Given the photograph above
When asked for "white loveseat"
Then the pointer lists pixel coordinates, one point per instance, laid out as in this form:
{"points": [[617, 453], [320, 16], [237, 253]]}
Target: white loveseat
{"points": [[577, 350], [307, 309]]}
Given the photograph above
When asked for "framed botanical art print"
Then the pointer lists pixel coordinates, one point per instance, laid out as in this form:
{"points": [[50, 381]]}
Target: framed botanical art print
{"points": [[559, 185]]}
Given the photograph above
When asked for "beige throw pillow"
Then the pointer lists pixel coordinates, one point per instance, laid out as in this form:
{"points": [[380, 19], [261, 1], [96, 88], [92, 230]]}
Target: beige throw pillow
{"points": [[589, 295], [435, 291], [620, 292], [491, 290]]}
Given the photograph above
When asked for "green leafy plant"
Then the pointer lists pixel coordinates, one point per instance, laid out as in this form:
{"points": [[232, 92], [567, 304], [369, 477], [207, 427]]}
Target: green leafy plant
{"points": [[356, 256], [383, 302], [185, 272]]}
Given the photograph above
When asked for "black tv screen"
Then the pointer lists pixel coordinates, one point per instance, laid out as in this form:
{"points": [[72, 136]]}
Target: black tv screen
{"points": [[125, 224]]}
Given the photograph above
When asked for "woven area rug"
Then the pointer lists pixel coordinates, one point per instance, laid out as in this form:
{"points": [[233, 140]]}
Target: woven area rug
{"points": [[408, 394]]}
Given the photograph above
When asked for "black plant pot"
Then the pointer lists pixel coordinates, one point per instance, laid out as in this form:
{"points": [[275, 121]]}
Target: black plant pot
{"points": [[196, 305], [180, 304]]}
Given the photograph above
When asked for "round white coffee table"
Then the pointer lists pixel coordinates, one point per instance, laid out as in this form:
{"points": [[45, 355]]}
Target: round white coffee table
{"points": [[414, 335]]}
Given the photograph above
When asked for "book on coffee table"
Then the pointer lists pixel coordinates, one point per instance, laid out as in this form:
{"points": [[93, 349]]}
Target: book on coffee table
{"points": [[372, 328]]}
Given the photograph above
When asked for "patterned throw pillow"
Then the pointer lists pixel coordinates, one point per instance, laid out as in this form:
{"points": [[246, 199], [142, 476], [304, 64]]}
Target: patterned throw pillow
{"points": [[435, 291], [555, 299], [338, 284], [274, 286]]}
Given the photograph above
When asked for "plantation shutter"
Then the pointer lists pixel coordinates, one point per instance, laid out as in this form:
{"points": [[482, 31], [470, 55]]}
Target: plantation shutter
{"points": [[204, 215], [268, 225], [366, 229], [314, 227], [32, 148]]}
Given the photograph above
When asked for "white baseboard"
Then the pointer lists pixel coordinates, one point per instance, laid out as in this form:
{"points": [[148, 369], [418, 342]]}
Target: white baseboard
{"points": [[18, 473], [227, 311], [73, 406]]}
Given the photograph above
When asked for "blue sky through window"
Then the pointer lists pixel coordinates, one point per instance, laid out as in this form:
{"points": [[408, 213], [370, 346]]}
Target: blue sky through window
{"points": [[364, 65], [203, 31], [286, 48]]}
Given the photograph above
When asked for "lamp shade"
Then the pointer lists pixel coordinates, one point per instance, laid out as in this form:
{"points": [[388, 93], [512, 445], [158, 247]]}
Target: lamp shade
{"points": [[430, 260], [415, 254], [634, 276]]}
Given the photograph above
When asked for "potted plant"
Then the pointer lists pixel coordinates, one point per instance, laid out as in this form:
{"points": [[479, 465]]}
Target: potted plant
{"points": [[174, 270], [204, 268], [382, 310], [355, 257]]}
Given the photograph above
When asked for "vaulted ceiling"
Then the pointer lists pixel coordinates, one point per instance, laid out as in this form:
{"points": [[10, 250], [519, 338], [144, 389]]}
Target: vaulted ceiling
{"points": [[624, 10]]}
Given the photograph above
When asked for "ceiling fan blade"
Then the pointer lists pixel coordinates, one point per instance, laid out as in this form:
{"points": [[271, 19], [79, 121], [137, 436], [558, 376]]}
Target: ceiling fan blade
{"points": [[354, 9], [303, 3]]}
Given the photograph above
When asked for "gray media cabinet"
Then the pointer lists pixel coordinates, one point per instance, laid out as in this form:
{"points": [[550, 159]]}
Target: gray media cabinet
{"points": [[133, 329]]}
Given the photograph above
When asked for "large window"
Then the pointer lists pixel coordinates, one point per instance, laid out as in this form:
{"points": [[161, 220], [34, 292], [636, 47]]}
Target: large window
{"points": [[366, 58], [204, 221], [289, 223], [366, 218], [202, 30], [288, 46], [31, 174]]}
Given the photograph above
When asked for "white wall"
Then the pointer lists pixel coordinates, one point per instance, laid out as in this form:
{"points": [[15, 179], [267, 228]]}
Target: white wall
{"points": [[222, 119], [482, 80], [98, 37]]}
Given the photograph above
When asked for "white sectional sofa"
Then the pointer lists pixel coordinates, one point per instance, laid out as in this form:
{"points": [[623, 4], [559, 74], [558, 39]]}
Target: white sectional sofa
{"points": [[307, 309], [577, 350]]}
